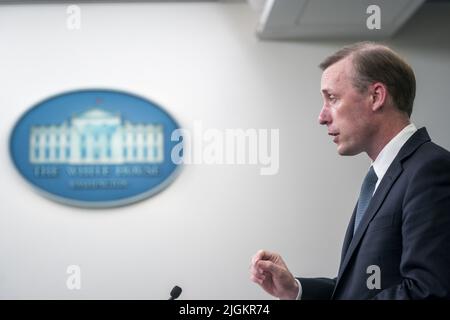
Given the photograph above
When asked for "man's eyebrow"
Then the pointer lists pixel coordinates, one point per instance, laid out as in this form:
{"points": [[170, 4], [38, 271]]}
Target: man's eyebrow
{"points": [[325, 91]]}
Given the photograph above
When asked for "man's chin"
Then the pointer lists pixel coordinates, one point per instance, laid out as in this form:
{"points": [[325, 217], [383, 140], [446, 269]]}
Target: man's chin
{"points": [[342, 151]]}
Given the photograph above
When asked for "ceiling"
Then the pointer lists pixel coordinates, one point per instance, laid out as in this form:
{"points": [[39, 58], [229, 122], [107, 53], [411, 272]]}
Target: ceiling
{"points": [[309, 19], [330, 19]]}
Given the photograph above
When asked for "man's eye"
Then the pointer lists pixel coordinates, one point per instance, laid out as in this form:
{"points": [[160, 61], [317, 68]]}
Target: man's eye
{"points": [[332, 98]]}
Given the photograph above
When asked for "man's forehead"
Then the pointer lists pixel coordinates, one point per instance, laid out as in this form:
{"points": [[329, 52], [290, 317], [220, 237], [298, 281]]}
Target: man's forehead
{"points": [[336, 73]]}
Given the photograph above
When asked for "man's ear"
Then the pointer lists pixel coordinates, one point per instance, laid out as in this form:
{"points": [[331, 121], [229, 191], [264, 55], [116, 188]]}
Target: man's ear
{"points": [[379, 95]]}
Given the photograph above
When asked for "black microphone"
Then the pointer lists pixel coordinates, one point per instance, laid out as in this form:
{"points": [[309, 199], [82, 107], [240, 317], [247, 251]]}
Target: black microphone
{"points": [[175, 293]]}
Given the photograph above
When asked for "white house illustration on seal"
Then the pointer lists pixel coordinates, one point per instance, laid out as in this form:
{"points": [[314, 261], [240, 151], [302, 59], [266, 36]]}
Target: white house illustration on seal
{"points": [[97, 137]]}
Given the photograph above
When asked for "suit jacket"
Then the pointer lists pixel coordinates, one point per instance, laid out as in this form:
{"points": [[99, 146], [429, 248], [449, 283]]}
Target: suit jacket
{"points": [[405, 231]]}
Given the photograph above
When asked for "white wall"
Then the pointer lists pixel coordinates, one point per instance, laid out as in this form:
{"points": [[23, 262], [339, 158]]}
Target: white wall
{"points": [[201, 62]]}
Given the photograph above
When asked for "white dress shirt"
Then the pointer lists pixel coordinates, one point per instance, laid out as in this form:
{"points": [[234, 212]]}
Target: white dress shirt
{"points": [[390, 151], [382, 163]]}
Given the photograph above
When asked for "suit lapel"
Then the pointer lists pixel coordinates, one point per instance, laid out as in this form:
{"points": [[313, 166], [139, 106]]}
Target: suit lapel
{"points": [[395, 169], [348, 235]]}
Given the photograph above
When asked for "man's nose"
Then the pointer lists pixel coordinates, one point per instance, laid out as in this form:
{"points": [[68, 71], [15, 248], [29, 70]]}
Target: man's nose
{"points": [[324, 117]]}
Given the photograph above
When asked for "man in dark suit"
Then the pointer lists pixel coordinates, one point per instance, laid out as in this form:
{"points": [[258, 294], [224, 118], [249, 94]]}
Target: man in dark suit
{"points": [[397, 244]]}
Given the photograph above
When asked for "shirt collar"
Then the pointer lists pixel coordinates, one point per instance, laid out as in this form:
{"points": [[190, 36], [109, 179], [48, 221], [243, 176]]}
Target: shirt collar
{"points": [[390, 151]]}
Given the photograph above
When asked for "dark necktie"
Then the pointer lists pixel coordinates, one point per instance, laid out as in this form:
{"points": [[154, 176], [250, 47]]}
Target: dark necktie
{"points": [[365, 195]]}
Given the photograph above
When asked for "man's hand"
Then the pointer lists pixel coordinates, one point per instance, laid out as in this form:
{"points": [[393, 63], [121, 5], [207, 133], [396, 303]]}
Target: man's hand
{"points": [[271, 273]]}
